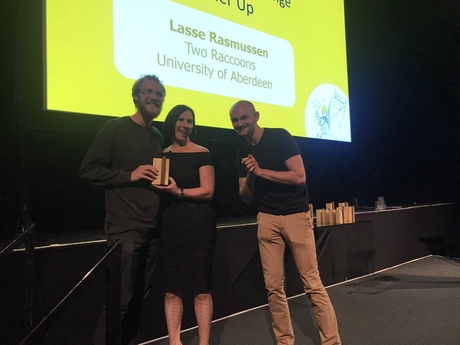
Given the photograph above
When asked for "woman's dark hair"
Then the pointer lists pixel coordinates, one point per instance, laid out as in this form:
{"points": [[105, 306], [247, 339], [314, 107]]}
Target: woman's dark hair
{"points": [[170, 122]]}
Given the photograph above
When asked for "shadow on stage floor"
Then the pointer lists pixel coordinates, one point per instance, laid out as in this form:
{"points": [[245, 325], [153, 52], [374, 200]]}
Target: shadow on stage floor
{"points": [[413, 303]]}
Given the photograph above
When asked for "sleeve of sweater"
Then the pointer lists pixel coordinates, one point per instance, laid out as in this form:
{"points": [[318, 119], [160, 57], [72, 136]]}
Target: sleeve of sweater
{"points": [[97, 164]]}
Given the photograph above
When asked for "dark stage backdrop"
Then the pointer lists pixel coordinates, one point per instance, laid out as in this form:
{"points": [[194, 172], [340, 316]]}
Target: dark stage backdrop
{"points": [[404, 75]]}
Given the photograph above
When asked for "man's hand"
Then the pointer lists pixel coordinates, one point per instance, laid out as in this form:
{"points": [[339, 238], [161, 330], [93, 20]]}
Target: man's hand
{"points": [[293, 175], [250, 164], [146, 172]]}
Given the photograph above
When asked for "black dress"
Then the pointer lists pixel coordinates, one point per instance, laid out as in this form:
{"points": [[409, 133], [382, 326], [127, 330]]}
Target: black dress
{"points": [[188, 228]]}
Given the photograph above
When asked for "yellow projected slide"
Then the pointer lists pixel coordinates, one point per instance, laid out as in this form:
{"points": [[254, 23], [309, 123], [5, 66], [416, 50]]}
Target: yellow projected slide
{"points": [[288, 57]]}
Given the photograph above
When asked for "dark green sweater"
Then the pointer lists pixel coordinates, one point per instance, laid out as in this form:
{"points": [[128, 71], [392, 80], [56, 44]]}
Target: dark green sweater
{"points": [[119, 148]]}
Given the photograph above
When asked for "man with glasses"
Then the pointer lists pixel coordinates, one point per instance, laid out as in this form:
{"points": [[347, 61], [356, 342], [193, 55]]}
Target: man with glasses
{"points": [[120, 160]]}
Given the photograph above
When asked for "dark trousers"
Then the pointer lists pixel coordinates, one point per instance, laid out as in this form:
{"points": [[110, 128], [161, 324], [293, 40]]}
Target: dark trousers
{"points": [[140, 249]]}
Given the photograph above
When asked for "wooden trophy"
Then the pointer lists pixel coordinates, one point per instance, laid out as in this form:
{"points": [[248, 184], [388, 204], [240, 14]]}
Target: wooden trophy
{"points": [[162, 164]]}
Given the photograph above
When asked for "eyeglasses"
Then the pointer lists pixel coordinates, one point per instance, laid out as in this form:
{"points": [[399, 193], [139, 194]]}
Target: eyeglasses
{"points": [[150, 92]]}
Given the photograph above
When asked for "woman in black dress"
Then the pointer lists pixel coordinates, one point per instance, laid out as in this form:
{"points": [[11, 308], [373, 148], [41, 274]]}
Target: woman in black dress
{"points": [[188, 227]]}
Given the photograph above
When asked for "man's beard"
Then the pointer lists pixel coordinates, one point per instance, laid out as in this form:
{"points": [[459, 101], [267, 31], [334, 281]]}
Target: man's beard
{"points": [[149, 114]]}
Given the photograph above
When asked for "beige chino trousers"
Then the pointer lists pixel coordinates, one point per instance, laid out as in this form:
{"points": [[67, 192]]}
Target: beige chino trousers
{"points": [[295, 230]]}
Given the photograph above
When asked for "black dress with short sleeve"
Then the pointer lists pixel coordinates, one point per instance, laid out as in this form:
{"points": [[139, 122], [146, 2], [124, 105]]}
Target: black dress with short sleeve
{"points": [[188, 229]]}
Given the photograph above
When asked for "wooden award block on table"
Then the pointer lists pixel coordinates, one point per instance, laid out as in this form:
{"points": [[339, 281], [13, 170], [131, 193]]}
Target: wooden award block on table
{"points": [[319, 217], [329, 206], [162, 164], [349, 214], [324, 217], [331, 217], [339, 215]]}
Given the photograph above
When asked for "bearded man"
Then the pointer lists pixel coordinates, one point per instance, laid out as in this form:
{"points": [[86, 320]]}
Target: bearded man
{"points": [[120, 159]]}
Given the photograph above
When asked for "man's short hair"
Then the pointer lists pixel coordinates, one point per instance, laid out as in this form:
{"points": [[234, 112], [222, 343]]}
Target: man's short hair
{"points": [[137, 85]]}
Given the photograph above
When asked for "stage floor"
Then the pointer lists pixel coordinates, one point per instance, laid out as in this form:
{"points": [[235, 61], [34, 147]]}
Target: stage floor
{"points": [[413, 303]]}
